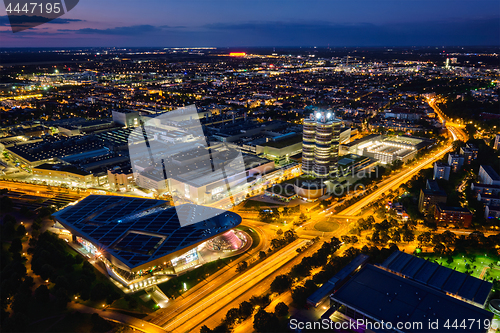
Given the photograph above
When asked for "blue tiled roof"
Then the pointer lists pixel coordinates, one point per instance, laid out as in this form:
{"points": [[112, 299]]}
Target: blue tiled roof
{"points": [[137, 230]]}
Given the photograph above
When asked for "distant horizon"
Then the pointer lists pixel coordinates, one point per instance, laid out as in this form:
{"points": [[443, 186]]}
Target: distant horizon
{"points": [[257, 47], [261, 23]]}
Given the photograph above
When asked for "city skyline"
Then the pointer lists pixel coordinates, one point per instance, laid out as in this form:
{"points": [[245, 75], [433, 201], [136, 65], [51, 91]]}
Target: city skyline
{"points": [[251, 166]]}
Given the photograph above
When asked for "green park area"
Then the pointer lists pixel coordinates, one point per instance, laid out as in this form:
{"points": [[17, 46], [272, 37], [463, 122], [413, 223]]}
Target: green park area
{"points": [[326, 226], [479, 265], [177, 286], [255, 236]]}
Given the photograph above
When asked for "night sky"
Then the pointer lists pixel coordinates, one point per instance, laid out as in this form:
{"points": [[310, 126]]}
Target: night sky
{"points": [[239, 23]]}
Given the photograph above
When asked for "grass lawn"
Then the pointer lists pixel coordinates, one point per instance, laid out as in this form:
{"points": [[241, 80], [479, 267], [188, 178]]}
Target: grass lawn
{"points": [[69, 322], [255, 236], [326, 226], [174, 287], [141, 306]]}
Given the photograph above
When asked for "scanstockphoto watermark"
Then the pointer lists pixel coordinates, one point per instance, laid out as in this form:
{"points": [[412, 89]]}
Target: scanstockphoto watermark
{"points": [[26, 14], [171, 153], [437, 325]]}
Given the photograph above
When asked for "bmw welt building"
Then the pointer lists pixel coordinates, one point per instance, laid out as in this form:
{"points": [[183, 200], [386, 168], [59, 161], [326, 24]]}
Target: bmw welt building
{"points": [[137, 237]]}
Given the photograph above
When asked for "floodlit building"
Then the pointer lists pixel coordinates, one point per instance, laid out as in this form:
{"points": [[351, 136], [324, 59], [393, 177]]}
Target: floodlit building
{"points": [[57, 174], [320, 146], [120, 178], [386, 149], [136, 237]]}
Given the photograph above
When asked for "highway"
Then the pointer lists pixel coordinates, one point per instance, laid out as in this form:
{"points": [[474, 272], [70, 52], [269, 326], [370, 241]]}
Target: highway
{"points": [[408, 172], [208, 285], [184, 321]]}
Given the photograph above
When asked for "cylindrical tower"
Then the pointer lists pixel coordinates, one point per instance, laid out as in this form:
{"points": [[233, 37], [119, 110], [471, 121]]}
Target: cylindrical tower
{"points": [[323, 143], [308, 144], [320, 144]]}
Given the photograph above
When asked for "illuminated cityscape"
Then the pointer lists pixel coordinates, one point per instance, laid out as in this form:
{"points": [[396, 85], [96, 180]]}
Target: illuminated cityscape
{"points": [[237, 169]]}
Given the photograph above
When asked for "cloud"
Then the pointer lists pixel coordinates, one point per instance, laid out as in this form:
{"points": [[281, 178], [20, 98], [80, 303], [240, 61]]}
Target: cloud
{"points": [[134, 30], [27, 19]]}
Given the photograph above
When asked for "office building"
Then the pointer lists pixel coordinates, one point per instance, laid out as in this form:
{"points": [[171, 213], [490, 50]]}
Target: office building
{"points": [[320, 147], [441, 171], [126, 118], [457, 216], [496, 144], [455, 161], [487, 175], [469, 152]]}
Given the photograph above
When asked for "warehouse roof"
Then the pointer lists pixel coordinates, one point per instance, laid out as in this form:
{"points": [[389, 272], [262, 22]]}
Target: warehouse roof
{"points": [[385, 296]]}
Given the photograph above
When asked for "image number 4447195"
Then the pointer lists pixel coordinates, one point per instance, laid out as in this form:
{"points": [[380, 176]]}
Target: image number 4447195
{"points": [[27, 14]]}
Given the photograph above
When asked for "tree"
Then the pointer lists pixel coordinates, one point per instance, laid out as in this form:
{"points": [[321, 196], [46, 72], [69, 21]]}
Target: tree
{"points": [[302, 217], [335, 243], [290, 236], [245, 309], [281, 284], [98, 292], [62, 298], [424, 238], [42, 294], [439, 249], [396, 236], [205, 329], [21, 230], [408, 235], [231, 316], [100, 324], [448, 237], [279, 232], [262, 255], [264, 321], [16, 246], [281, 309], [241, 266], [8, 227]]}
